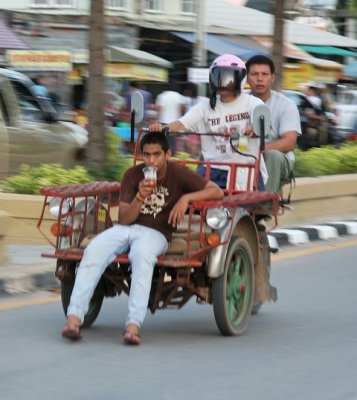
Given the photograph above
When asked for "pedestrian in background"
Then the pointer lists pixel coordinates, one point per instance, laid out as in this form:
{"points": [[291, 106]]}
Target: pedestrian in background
{"points": [[192, 143], [39, 88], [170, 105]]}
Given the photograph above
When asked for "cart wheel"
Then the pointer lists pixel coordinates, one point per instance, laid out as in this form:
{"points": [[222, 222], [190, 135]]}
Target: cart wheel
{"points": [[264, 241], [94, 305], [233, 292]]}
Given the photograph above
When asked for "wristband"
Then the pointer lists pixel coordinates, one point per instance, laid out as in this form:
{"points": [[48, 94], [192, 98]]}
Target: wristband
{"points": [[138, 197]]}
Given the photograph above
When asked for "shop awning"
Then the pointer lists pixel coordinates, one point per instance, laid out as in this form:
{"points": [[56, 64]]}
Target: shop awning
{"points": [[328, 50], [135, 56], [9, 39], [129, 64], [220, 45], [289, 49]]}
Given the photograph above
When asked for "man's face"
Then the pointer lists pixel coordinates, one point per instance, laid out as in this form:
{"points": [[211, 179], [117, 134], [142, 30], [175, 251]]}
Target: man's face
{"points": [[260, 79], [154, 155]]}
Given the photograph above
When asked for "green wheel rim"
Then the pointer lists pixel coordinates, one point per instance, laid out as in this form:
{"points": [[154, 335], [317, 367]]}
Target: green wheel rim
{"points": [[238, 287]]}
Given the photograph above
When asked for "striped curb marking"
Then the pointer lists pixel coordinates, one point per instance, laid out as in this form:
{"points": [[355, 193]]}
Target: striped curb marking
{"points": [[307, 233]]}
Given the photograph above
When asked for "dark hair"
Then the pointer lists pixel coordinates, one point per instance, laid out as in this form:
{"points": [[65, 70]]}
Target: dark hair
{"points": [[155, 138], [134, 84], [260, 59]]}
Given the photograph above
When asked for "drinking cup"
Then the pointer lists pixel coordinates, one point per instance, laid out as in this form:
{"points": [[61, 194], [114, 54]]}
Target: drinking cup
{"points": [[243, 143], [150, 173]]}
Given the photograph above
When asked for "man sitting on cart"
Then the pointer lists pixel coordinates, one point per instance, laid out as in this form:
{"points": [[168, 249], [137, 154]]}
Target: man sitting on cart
{"points": [[228, 111], [148, 214]]}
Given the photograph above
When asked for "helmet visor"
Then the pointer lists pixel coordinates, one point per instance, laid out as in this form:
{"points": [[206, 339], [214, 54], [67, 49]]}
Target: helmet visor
{"points": [[226, 77]]}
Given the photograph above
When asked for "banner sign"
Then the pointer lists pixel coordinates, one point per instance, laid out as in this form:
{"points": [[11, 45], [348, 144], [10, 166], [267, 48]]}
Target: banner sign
{"points": [[40, 60], [136, 71]]}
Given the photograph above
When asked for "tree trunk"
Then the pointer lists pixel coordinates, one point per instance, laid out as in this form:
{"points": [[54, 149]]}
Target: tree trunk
{"points": [[278, 42], [97, 148]]}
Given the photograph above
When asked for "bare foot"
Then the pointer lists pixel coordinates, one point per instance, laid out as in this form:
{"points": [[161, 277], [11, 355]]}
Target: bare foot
{"points": [[131, 335], [72, 329]]}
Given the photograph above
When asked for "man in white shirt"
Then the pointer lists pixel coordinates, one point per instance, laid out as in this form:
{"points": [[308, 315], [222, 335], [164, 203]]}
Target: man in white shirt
{"points": [[285, 122], [170, 105]]}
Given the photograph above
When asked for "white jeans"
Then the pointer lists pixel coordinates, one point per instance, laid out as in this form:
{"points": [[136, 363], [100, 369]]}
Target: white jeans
{"points": [[144, 246]]}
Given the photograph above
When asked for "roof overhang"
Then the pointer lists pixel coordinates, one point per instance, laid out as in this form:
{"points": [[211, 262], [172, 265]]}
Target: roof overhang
{"points": [[220, 44], [328, 50]]}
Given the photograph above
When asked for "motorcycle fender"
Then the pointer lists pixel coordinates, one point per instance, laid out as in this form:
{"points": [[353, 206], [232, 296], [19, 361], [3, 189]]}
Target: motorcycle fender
{"points": [[243, 226]]}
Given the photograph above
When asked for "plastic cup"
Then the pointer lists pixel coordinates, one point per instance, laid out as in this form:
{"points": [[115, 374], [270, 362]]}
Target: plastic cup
{"points": [[243, 143], [150, 174]]}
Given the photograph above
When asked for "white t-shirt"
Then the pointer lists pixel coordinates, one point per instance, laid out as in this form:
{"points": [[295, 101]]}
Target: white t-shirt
{"points": [[171, 105], [284, 117], [226, 118]]}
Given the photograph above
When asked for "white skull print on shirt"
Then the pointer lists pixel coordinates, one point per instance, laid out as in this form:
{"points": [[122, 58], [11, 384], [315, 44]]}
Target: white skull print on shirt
{"points": [[154, 204]]}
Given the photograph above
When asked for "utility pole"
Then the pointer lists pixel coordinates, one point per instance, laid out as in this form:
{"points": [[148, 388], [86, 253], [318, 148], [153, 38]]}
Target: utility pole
{"points": [[200, 52], [97, 145], [278, 42]]}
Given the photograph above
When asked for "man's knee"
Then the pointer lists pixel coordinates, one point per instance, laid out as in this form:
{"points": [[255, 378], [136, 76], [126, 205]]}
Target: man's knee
{"points": [[273, 156]]}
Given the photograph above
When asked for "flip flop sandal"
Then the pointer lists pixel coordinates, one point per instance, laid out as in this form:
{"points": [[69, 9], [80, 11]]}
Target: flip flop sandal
{"points": [[131, 338], [72, 333]]}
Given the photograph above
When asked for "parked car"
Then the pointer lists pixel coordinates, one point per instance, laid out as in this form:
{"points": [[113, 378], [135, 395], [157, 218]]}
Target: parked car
{"points": [[318, 128], [30, 132], [346, 110]]}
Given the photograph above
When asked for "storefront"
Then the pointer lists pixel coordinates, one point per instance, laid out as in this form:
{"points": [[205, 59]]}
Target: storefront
{"points": [[52, 65], [295, 75], [66, 72]]}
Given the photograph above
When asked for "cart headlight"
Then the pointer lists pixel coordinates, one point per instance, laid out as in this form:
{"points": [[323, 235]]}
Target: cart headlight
{"points": [[217, 218], [54, 206]]}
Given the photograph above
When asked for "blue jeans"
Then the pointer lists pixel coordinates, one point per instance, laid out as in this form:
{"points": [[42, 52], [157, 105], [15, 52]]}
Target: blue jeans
{"points": [[143, 246]]}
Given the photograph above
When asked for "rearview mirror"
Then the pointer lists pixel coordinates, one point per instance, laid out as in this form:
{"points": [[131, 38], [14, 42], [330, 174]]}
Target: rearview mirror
{"points": [[261, 123], [137, 107], [261, 120]]}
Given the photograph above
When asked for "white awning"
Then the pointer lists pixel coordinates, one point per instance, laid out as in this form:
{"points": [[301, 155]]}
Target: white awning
{"points": [[247, 21], [120, 54]]}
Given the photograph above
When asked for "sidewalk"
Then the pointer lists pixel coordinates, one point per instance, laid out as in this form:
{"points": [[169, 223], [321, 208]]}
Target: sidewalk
{"points": [[26, 271]]}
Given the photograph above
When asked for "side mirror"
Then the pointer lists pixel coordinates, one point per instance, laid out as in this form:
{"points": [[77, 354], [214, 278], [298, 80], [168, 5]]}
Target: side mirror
{"points": [[137, 107], [261, 123], [136, 112]]}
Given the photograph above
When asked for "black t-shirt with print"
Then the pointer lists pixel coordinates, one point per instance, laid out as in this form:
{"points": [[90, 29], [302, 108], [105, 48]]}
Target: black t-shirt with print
{"points": [[154, 212]]}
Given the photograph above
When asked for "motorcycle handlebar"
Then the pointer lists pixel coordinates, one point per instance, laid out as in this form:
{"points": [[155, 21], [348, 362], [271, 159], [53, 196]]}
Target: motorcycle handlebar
{"points": [[185, 132]]}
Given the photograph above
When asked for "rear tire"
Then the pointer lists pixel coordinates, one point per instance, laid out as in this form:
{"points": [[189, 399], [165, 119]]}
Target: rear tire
{"points": [[233, 291]]}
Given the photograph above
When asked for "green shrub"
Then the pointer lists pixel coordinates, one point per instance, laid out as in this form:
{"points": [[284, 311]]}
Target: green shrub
{"points": [[326, 160], [181, 155], [30, 180]]}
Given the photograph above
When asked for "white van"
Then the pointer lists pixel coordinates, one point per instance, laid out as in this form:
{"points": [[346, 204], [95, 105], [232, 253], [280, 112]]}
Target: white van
{"points": [[30, 132]]}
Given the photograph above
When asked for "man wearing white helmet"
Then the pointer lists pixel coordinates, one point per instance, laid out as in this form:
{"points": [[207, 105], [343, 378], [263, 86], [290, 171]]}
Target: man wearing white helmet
{"points": [[227, 111]]}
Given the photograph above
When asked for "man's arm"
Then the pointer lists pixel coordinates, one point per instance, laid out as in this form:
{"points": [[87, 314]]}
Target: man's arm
{"points": [[210, 192], [286, 143], [129, 212], [173, 126]]}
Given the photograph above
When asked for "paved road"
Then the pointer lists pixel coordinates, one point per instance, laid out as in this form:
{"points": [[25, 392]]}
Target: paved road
{"points": [[302, 347]]}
